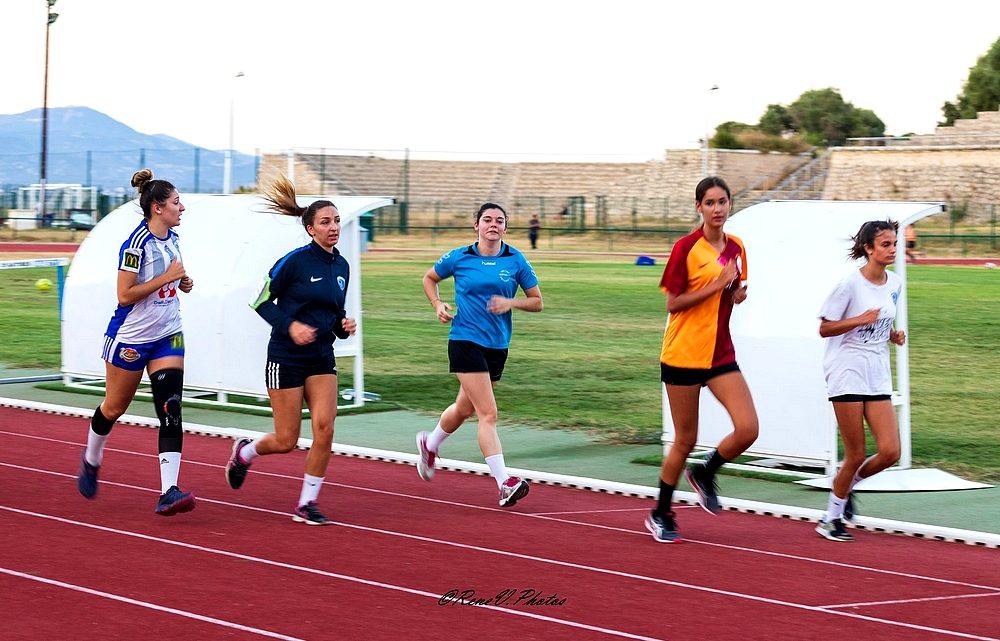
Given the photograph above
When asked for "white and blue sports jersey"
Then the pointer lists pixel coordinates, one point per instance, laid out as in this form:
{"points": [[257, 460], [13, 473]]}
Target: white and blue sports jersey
{"points": [[158, 314], [477, 279]]}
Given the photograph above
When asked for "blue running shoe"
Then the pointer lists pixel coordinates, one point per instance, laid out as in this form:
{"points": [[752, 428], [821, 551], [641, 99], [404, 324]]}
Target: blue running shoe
{"points": [[834, 531], [174, 501], [86, 478], [704, 484], [663, 528]]}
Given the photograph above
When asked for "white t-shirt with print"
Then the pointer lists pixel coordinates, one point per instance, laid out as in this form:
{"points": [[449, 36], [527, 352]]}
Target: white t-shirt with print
{"points": [[857, 362]]}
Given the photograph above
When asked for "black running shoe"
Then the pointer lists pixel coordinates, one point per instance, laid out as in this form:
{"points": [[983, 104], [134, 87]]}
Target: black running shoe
{"points": [[704, 484], [174, 501], [834, 530], [236, 469], [86, 478], [663, 528], [310, 515], [850, 509]]}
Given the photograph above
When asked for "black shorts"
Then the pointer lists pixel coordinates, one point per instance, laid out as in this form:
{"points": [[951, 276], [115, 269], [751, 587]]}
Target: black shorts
{"points": [[859, 398], [683, 376], [291, 375], [467, 357]]}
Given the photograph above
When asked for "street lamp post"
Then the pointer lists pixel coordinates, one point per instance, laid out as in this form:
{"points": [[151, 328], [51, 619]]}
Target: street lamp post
{"points": [[704, 145], [227, 177], [45, 111]]}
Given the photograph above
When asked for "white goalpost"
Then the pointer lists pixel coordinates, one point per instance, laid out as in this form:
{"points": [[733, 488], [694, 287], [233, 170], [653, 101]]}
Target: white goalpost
{"points": [[797, 253]]}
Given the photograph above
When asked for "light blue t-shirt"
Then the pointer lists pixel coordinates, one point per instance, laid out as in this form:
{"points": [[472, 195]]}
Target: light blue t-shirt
{"points": [[477, 279]]}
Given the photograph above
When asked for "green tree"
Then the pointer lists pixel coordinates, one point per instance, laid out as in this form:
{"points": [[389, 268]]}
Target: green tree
{"points": [[776, 120], [823, 118], [981, 91]]}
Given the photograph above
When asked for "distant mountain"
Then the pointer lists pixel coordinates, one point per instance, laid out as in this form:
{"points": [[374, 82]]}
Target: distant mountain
{"points": [[91, 148]]}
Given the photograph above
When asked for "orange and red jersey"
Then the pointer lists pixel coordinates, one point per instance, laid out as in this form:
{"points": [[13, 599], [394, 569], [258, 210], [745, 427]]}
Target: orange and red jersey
{"points": [[698, 337]]}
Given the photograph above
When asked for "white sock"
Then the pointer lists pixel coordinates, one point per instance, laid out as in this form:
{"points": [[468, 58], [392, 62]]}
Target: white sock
{"points": [[436, 438], [170, 467], [835, 508], [95, 447], [248, 452], [497, 468], [310, 489]]}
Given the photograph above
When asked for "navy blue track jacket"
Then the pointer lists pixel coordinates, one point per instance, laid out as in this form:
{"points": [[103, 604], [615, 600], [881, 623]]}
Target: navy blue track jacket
{"points": [[308, 285]]}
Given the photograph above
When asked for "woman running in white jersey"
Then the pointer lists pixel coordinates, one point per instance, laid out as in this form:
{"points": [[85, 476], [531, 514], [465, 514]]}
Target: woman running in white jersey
{"points": [[145, 333]]}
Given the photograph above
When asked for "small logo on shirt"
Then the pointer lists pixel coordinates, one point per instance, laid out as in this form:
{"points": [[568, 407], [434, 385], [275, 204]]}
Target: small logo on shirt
{"points": [[489, 262], [313, 279], [341, 282], [504, 275], [131, 260]]}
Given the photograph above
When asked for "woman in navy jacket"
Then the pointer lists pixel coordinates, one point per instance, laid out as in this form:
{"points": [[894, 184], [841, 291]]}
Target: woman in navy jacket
{"points": [[303, 300]]}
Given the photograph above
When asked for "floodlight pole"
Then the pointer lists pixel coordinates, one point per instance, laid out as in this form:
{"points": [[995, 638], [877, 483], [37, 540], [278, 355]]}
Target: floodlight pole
{"points": [[704, 142], [50, 19], [227, 173]]}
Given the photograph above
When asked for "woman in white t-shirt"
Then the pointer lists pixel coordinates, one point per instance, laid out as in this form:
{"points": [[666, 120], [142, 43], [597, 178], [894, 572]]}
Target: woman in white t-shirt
{"points": [[857, 321]]}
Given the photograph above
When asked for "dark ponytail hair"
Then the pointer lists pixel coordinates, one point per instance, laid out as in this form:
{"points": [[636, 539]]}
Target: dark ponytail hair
{"points": [[151, 191], [866, 235], [280, 198], [708, 183]]}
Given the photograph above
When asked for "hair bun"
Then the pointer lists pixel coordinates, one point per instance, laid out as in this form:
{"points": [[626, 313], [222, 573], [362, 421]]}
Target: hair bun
{"points": [[141, 178]]}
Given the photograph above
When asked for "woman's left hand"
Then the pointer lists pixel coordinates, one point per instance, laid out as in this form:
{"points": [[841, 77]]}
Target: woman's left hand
{"points": [[740, 295], [350, 325], [499, 305], [897, 336], [186, 284]]}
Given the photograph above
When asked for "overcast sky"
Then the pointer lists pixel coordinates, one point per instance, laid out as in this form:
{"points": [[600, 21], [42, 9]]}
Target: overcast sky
{"points": [[620, 78]]}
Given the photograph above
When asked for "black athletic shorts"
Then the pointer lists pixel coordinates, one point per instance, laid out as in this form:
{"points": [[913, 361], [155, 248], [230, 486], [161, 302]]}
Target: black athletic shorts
{"points": [[291, 375], [859, 398], [467, 357], [683, 376]]}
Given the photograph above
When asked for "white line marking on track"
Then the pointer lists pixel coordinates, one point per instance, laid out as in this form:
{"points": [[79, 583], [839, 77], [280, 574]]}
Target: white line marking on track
{"points": [[628, 509], [639, 532], [548, 561], [324, 573], [920, 600], [147, 604]]}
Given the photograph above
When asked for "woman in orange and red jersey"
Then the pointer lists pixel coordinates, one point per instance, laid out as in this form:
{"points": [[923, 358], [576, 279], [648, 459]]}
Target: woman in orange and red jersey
{"points": [[705, 276]]}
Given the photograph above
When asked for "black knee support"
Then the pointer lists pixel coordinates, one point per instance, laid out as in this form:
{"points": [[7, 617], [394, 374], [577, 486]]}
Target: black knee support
{"points": [[168, 385], [100, 423]]}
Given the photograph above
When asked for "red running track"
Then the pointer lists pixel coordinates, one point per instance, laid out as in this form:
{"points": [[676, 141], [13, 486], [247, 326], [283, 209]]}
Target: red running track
{"points": [[567, 564]]}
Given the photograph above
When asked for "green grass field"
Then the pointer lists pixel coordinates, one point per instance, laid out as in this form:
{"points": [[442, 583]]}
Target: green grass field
{"points": [[589, 361]]}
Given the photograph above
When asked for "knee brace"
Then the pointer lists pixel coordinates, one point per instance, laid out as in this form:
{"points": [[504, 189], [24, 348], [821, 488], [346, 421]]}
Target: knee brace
{"points": [[100, 423], [168, 385]]}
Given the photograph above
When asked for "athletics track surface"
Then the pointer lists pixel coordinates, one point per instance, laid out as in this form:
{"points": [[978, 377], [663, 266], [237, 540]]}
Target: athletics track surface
{"points": [[238, 568]]}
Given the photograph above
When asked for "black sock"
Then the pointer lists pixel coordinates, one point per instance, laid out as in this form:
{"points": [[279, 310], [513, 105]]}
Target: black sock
{"points": [[714, 462], [666, 498]]}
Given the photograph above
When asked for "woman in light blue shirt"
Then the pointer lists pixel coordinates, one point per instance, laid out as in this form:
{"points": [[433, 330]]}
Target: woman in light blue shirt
{"points": [[487, 276]]}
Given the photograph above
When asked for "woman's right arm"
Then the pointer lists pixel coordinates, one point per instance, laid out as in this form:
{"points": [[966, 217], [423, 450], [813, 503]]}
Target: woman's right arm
{"points": [[130, 292], [443, 309], [828, 328], [688, 299]]}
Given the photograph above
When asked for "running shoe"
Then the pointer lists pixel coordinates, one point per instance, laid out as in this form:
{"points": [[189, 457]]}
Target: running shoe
{"points": [[425, 465], [663, 528], [310, 515], [850, 509], [86, 478], [704, 484], [834, 530], [174, 501], [513, 490], [236, 469]]}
